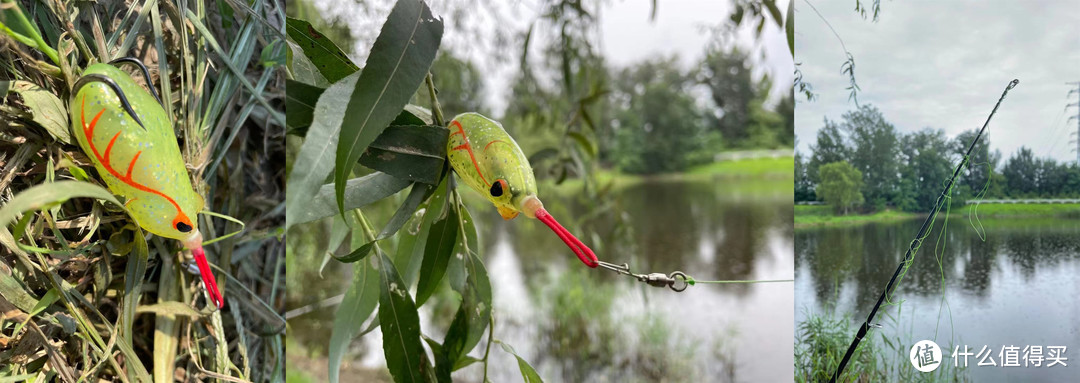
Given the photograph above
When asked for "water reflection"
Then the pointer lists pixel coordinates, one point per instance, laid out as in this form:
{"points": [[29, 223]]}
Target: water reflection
{"points": [[1015, 288], [578, 324]]}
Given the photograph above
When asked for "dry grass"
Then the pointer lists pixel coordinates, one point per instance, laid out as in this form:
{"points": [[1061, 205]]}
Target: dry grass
{"points": [[84, 295]]}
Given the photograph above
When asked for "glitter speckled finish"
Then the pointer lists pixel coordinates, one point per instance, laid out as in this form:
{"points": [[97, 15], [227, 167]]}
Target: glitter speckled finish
{"points": [[490, 162], [140, 163]]}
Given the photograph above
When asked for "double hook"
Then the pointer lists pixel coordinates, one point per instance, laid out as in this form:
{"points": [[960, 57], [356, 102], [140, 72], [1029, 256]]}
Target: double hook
{"points": [[676, 281]]}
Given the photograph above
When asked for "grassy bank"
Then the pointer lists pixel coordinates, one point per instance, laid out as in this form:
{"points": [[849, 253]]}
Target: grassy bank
{"points": [[822, 215], [765, 169], [1027, 210], [760, 176], [782, 166]]}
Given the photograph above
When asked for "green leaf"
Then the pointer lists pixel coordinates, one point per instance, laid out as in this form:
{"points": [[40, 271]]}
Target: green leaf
{"points": [[417, 195], [453, 345], [358, 254], [432, 211], [14, 23], [323, 53], [457, 335], [469, 278], [775, 12], [543, 154], [457, 270], [357, 305], [300, 99], [44, 195], [440, 247], [405, 211], [303, 70], [273, 54], [398, 63], [316, 158], [359, 192], [789, 26], [13, 291], [585, 144], [736, 16], [133, 277], [414, 153], [465, 362], [442, 365], [477, 300], [527, 371], [419, 116], [400, 325], [47, 109]]}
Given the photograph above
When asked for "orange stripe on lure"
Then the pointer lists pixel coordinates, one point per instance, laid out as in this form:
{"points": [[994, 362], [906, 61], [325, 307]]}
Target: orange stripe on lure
{"points": [[492, 163], [129, 138]]}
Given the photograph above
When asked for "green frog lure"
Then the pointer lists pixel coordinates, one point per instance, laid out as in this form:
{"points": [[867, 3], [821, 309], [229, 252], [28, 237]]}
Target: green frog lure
{"points": [[128, 136], [492, 163]]}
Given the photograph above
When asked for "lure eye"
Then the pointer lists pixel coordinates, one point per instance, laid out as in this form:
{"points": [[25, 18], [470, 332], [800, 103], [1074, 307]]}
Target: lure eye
{"points": [[183, 227], [498, 187]]}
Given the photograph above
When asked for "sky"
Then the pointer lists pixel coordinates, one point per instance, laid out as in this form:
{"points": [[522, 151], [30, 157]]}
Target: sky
{"points": [[943, 65], [626, 35]]}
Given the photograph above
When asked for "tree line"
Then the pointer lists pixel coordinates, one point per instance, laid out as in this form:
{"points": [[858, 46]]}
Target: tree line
{"points": [[863, 163]]}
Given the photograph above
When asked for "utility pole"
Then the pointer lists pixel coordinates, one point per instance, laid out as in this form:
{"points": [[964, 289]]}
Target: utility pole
{"points": [[1076, 117]]}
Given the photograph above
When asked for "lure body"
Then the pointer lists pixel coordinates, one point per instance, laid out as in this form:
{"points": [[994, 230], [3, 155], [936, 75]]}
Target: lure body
{"points": [[130, 139], [492, 163], [486, 157], [140, 163]]}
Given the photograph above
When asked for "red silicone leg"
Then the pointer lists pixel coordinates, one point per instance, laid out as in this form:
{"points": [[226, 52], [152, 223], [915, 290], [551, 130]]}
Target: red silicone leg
{"points": [[208, 277], [584, 253]]}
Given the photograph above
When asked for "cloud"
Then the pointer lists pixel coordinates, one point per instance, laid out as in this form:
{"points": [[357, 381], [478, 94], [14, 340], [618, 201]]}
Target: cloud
{"points": [[943, 65]]}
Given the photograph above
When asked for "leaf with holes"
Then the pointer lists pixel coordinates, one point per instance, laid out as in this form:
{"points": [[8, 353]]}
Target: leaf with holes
{"points": [[440, 247], [400, 325]]}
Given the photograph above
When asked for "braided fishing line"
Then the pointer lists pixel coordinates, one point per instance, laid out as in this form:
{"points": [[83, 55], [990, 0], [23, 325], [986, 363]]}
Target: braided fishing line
{"points": [[692, 281], [924, 230]]}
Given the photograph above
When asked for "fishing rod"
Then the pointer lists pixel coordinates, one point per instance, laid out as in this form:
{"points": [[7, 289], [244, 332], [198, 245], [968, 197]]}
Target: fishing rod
{"points": [[914, 246]]}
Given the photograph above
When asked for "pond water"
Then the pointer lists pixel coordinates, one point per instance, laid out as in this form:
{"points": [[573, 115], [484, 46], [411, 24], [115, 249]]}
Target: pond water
{"points": [[578, 324], [1016, 288]]}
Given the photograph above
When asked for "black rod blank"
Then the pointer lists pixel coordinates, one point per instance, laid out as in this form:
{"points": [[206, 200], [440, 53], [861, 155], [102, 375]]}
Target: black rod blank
{"points": [[912, 248]]}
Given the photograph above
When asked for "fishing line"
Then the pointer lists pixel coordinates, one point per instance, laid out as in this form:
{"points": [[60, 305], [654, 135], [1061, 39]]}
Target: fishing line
{"points": [[677, 281], [924, 231], [692, 281]]}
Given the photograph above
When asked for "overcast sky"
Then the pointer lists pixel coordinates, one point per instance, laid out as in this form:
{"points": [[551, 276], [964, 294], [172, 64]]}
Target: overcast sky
{"points": [[943, 64], [627, 35]]}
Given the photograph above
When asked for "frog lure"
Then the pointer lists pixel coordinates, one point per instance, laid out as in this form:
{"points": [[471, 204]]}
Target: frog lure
{"points": [[492, 163], [128, 136]]}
